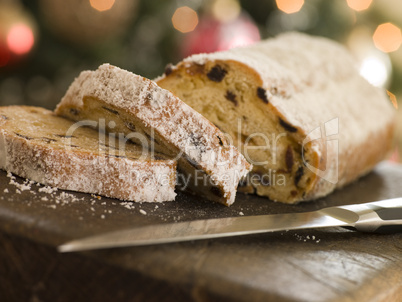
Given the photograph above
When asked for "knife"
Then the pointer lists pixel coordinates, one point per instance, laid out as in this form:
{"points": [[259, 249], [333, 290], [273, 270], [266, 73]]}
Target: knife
{"points": [[381, 216]]}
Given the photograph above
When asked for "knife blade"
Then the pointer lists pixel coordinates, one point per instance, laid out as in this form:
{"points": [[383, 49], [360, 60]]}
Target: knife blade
{"points": [[380, 216]]}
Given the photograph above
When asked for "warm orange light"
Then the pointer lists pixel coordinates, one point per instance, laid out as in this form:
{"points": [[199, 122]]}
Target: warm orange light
{"points": [[289, 6], [185, 19], [392, 97], [226, 10], [359, 5], [102, 5], [20, 39], [387, 37]]}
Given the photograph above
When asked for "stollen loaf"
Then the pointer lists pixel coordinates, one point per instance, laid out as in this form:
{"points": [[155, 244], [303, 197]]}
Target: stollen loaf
{"points": [[296, 107]]}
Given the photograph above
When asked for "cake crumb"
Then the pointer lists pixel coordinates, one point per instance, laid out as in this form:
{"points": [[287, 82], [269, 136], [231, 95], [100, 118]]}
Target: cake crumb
{"points": [[306, 238], [128, 205], [48, 190], [143, 212], [21, 187]]}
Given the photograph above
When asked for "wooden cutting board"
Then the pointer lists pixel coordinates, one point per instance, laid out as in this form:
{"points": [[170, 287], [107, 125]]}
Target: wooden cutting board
{"points": [[334, 264]]}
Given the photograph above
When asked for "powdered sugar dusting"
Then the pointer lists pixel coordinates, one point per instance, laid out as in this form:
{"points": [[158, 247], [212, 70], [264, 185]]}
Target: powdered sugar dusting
{"points": [[297, 66], [172, 119]]}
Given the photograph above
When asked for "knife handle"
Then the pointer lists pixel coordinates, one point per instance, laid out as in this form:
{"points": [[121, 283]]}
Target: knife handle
{"points": [[392, 220], [380, 217]]}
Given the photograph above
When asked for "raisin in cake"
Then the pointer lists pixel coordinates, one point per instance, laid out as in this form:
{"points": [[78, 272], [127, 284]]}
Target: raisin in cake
{"points": [[296, 106], [37, 144], [154, 117]]}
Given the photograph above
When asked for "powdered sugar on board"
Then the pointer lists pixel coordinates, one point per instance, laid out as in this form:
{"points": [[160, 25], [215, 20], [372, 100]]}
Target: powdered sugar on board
{"points": [[53, 198], [91, 206], [93, 213]]}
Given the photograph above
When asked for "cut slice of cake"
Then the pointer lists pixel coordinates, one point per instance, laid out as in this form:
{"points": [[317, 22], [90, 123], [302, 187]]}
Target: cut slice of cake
{"points": [[153, 117], [296, 107], [51, 150]]}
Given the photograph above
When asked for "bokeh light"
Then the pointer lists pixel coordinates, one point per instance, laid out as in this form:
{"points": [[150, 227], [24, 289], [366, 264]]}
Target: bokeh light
{"points": [[102, 5], [185, 19], [387, 37], [226, 10], [374, 71], [289, 6], [359, 5], [20, 39]]}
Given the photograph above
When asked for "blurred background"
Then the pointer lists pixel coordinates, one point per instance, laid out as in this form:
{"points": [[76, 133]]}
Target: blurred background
{"points": [[45, 44]]}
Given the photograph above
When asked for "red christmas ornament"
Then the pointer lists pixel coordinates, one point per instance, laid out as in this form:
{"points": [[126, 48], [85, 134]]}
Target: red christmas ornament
{"points": [[213, 35], [17, 33]]}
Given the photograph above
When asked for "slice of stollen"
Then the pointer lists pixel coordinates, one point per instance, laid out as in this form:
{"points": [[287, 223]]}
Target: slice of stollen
{"points": [[51, 150], [147, 114]]}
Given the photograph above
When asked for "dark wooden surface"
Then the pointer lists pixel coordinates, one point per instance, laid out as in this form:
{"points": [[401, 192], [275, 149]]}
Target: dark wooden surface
{"points": [[334, 264]]}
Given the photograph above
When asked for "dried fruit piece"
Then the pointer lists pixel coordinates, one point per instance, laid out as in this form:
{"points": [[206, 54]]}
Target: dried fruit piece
{"points": [[111, 110], [287, 126], [130, 126], [231, 97], [23, 136], [289, 159], [298, 175], [217, 73], [74, 111], [117, 156], [261, 93], [220, 140], [168, 69]]}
